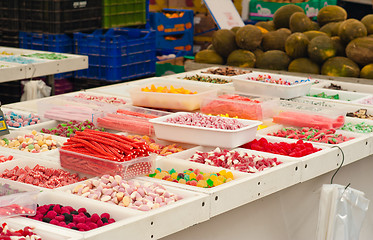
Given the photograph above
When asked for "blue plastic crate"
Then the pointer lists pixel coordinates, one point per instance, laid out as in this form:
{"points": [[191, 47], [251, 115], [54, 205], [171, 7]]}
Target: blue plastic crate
{"points": [[161, 23], [119, 54], [183, 41], [60, 43]]}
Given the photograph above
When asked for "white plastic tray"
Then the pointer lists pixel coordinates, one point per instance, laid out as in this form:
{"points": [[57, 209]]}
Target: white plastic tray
{"points": [[351, 87], [226, 86], [22, 162], [204, 136], [183, 102], [49, 154], [45, 232], [43, 121], [344, 96], [241, 83]]}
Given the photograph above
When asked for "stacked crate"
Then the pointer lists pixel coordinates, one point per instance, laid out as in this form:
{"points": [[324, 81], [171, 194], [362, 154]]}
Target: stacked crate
{"points": [[123, 13], [174, 29]]}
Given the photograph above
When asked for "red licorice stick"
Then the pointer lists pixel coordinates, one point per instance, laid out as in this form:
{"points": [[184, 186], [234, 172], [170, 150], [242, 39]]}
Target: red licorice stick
{"points": [[90, 145], [102, 150], [110, 135], [104, 140], [122, 111], [115, 152]]}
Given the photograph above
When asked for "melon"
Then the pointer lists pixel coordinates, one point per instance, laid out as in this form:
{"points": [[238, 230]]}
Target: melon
{"points": [[274, 60], [249, 37], [299, 22], [312, 34], [209, 56], [224, 42], [275, 40], [258, 53], [321, 48], [339, 46], [331, 28], [210, 47], [331, 13], [304, 65], [266, 25], [351, 29], [235, 29], [282, 15], [296, 45], [360, 50], [340, 67], [241, 58], [367, 71], [314, 26], [368, 22]]}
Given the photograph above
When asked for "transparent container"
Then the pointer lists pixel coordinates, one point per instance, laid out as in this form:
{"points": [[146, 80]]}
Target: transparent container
{"points": [[186, 102], [98, 166]]}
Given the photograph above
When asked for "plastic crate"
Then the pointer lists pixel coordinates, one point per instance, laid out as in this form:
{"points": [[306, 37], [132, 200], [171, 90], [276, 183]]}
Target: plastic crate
{"points": [[181, 41], [59, 16], [162, 23], [9, 38], [116, 13], [119, 54]]}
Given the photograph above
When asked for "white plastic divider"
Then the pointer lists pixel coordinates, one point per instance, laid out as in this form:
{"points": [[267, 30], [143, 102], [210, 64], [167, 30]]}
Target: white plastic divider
{"points": [[256, 185], [22, 162], [193, 208], [352, 87], [128, 223], [45, 232]]}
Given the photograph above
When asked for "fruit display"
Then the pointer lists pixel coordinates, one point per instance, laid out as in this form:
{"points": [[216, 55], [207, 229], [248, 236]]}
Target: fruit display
{"points": [[333, 46]]}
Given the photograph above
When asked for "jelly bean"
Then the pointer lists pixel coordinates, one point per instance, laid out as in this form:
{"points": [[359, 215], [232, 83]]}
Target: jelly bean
{"points": [[204, 180], [359, 127], [68, 129]]}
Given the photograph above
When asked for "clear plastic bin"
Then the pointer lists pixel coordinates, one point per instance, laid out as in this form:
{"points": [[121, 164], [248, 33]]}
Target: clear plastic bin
{"points": [[43, 121], [16, 201], [225, 86], [98, 166], [204, 136], [244, 84], [252, 110], [131, 119], [186, 102]]}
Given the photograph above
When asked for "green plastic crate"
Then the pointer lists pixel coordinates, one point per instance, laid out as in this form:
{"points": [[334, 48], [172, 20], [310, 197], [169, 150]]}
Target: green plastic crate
{"points": [[123, 13], [167, 69]]}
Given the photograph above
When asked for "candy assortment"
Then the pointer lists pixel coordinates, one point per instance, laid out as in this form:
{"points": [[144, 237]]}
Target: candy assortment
{"points": [[41, 176], [68, 217], [34, 142], [69, 129], [226, 71], [49, 56], [158, 148], [266, 78], [164, 89], [205, 121], [235, 106], [25, 233], [234, 160], [328, 136], [20, 120], [368, 101], [207, 79], [132, 194], [298, 149], [361, 113], [194, 177], [358, 127], [111, 100]]}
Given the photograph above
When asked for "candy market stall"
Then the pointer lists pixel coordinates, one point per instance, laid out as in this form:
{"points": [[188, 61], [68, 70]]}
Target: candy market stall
{"points": [[174, 158]]}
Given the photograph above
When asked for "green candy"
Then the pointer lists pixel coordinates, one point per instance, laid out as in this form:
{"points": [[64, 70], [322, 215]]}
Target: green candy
{"points": [[210, 182], [31, 146], [6, 140], [172, 171]]}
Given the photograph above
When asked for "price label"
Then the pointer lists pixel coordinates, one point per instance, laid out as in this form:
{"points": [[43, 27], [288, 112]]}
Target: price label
{"points": [[3, 126]]}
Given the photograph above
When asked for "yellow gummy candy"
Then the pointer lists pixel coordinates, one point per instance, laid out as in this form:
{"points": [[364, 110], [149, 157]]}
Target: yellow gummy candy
{"points": [[174, 175], [192, 175], [221, 178], [229, 175], [202, 183], [214, 178], [206, 176], [223, 172], [218, 182], [182, 181]]}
